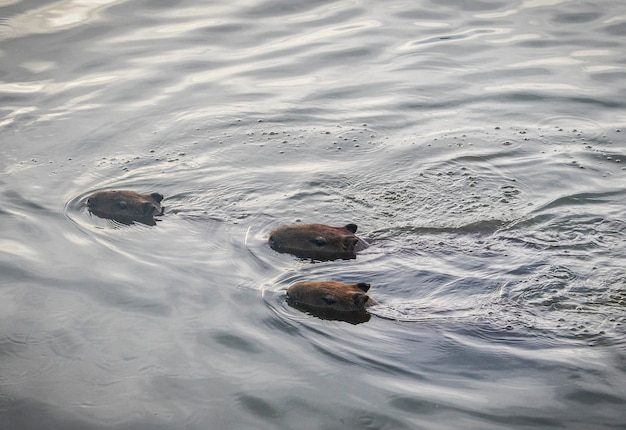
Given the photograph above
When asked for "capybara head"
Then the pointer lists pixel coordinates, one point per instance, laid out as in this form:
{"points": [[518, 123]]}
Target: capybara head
{"points": [[317, 241], [330, 295], [126, 206]]}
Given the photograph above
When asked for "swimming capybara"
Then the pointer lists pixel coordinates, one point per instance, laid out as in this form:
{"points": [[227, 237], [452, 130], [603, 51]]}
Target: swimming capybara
{"points": [[332, 300], [332, 295], [317, 241], [126, 206]]}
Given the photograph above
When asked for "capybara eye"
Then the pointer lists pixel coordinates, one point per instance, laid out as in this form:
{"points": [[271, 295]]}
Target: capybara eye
{"points": [[319, 242], [122, 205], [329, 300]]}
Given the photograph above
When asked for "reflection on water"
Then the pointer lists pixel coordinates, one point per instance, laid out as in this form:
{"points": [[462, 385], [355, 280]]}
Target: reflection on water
{"points": [[58, 16], [478, 146]]}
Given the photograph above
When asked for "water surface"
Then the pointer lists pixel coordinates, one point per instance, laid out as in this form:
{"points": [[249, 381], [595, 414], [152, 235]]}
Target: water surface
{"points": [[478, 145]]}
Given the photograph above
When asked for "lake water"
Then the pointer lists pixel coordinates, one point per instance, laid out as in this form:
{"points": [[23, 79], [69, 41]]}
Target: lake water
{"points": [[480, 146]]}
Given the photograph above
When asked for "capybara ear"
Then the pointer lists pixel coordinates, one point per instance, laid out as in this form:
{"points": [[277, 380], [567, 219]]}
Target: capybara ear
{"points": [[363, 286], [351, 228], [157, 197]]}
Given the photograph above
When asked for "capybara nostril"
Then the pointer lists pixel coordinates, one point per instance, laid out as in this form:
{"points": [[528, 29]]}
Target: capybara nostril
{"points": [[319, 242]]}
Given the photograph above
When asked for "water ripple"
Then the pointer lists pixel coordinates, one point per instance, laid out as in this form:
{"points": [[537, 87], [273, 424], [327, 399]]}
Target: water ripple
{"points": [[478, 146]]}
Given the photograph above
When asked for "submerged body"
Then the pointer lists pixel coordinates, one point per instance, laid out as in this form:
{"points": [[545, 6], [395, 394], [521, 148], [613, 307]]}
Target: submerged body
{"points": [[317, 241], [126, 206]]}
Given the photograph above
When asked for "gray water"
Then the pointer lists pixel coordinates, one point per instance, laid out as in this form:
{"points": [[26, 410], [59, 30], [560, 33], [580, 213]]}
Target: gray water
{"points": [[480, 146]]}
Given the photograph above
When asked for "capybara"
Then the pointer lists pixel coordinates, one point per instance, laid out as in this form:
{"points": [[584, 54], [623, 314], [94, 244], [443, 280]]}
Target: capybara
{"points": [[126, 206], [331, 295], [317, 241]]}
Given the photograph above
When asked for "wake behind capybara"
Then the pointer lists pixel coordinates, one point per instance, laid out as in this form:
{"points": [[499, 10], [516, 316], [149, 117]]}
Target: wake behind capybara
{"points": [[317, 241], [126, 206]]}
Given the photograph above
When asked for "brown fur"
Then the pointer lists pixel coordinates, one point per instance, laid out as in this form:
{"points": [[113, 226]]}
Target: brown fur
{"points": [[126, 206], [330, 295], [317, 241]]}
